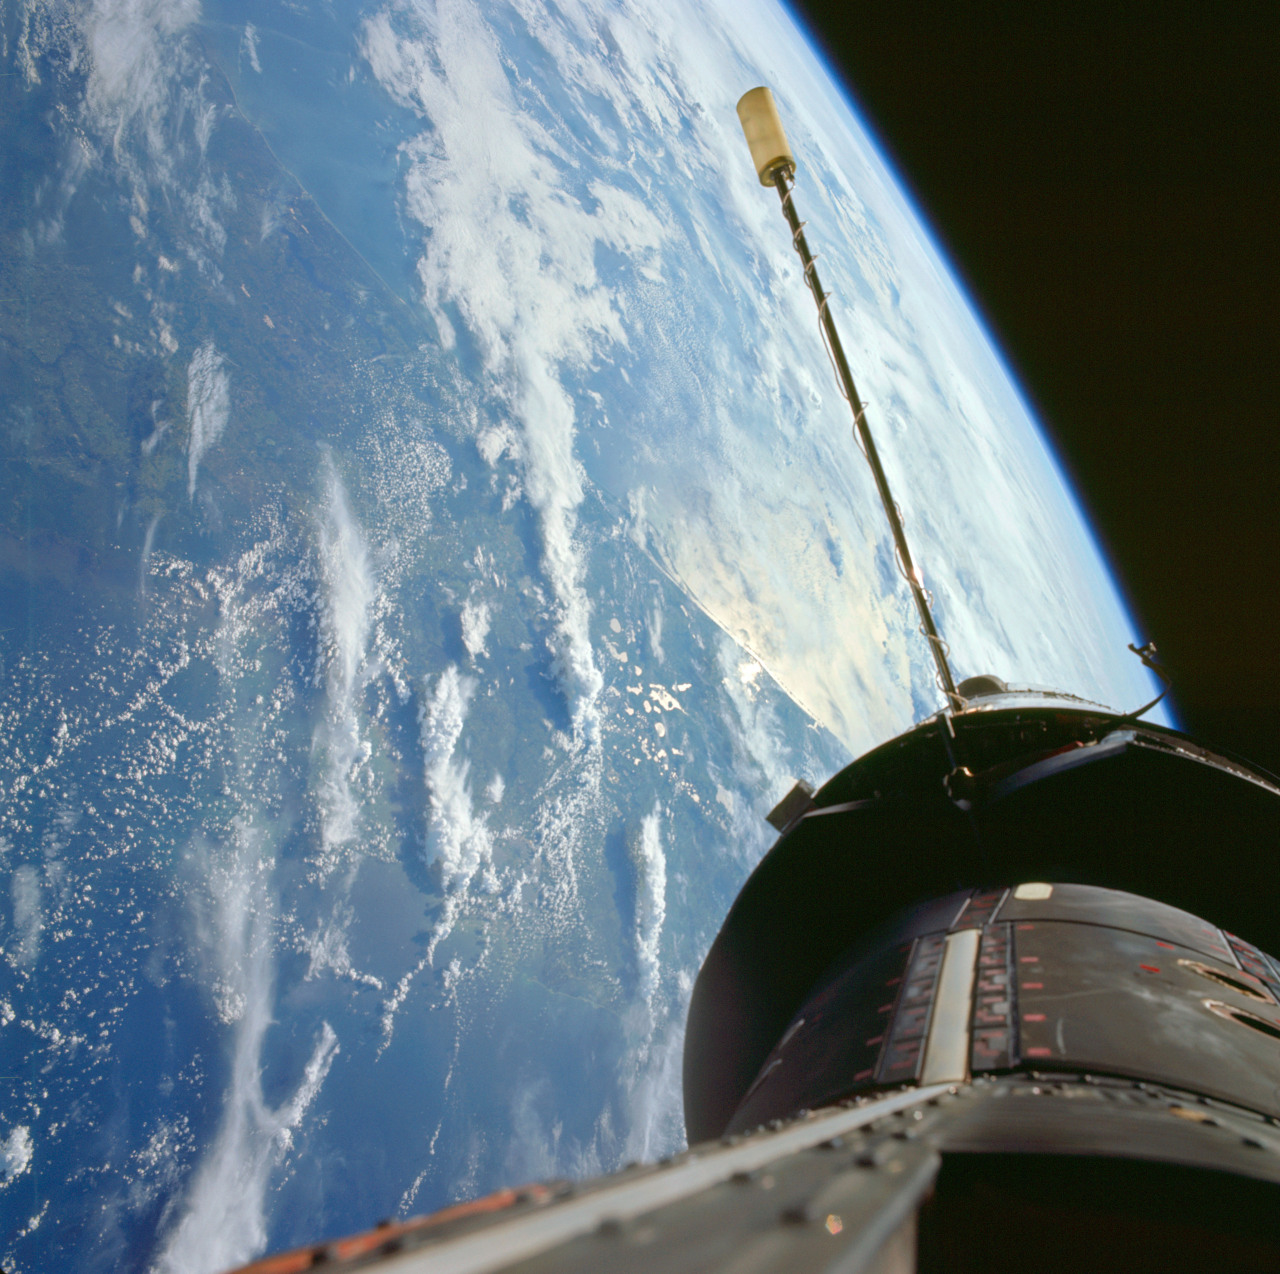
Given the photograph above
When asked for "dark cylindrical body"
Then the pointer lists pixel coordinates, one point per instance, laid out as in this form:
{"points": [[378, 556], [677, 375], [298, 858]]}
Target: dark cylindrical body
{"points": [[803, 998]]}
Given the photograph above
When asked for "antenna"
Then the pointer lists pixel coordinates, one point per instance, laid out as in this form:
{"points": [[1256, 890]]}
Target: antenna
{"points": [[776, 166]]}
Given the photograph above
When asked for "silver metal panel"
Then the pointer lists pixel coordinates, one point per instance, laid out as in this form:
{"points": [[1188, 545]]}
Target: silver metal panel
{"points": [[946, 1054], [506, 1242]]}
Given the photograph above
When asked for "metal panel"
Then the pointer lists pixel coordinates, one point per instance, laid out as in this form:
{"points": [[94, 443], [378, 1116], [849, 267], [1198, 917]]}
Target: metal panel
{"points": [[946, 1055], [994, 1004], [1089, 904], [832, 1044], [900, 1061], [866, 1197], [1108, 1000]]}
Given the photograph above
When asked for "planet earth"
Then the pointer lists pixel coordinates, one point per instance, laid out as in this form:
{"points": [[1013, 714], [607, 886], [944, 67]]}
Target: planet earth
{"points": [[432, 541]]}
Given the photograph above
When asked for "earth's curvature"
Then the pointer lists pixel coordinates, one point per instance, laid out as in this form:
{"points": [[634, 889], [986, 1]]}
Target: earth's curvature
{"points": [[431, 541]]}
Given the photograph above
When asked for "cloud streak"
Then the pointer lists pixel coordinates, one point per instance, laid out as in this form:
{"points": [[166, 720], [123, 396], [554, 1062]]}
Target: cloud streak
{"points": [[223, 1222], [510, 248], [651, 901], [458, 840], [346, 596], [208, 407]]}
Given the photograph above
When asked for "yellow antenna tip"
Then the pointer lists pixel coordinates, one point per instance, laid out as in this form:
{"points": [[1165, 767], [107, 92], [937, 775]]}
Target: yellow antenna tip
{"points": [[765, 135]]}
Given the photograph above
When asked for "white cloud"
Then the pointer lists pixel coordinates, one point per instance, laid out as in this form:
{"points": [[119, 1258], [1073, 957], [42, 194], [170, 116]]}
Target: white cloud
{"points": [[28, 917], [208, 406], [327, 951], [475, 627], [651, 900], [750, 723], [249, 46], [512, 247], [654, 1099], [653, 625], [347, 595], [144, 113], [457, 840], [16, 1152], [224, 1223], [132, 54], [223, 1219]]}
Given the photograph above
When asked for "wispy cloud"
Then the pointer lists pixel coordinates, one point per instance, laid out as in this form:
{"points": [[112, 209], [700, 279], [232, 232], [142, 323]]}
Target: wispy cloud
{"points": [[327, 951], [346, 597], [458, 840], [144, 110], [650, 863], [208, 407], [510, 248], [249, 46], [223, 1221], [28, 917], [475, 627]]}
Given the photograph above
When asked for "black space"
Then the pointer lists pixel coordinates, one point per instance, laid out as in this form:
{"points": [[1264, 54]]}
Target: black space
{"points": [[1106, 180]]}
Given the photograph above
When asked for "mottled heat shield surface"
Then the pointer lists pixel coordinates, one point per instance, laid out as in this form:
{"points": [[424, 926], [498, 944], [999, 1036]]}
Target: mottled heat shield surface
{"points": [[1067, 977]]}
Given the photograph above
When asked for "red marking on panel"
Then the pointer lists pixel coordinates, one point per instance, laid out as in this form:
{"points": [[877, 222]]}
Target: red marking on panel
{"points": [[1024, 928], [1033, 1017], [879, 1039], [861, 1075], [1168, 946], [885, 1008], [1033, 986], [1028, 959], [1038, 1052], [894, 982], [1150, 968]]}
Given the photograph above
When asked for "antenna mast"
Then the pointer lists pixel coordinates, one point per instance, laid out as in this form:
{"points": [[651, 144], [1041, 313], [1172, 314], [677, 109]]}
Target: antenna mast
{"points": [[776, 166]]}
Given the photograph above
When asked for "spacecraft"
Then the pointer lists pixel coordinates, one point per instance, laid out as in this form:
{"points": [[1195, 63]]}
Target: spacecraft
{"points": [[984, 1006]]}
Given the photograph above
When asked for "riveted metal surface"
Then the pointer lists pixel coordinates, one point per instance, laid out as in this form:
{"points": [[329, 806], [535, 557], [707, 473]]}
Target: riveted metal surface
{"points": [[833, 1043], [1093, 998], [1088, 904], [730, 1195], [817, 1212], [1255, 962], [994, 1042], [980, 909], [1107, 1116], [900, 1061]]}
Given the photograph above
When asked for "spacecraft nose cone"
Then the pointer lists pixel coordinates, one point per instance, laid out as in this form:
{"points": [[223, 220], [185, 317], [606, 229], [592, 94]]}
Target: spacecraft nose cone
{"points": [[980, 686]]}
